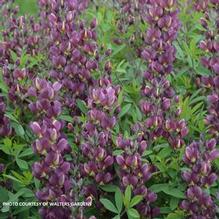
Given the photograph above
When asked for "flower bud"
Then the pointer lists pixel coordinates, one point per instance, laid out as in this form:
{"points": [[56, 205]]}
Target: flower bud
{"points": [[36, 128]]}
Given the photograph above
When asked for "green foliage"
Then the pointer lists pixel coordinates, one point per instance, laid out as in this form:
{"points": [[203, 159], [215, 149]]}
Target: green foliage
{"points": [[122, 201], [27, 6], [127, 69], [193, 111]]}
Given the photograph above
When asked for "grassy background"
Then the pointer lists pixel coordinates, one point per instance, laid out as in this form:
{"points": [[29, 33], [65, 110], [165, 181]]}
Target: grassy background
{"points": [[27, 6]]}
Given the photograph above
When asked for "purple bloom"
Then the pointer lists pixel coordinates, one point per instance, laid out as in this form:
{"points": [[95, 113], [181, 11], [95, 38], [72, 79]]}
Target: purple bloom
{"points": [[199, 156], [73, 50], [51, 146], [210, 60], [96, 134], [135, 171], [18, 33], [158, 103]]}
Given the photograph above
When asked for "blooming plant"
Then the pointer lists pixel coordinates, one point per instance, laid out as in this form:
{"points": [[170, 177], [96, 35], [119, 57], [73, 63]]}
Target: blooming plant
{"points": [[109, 109]]}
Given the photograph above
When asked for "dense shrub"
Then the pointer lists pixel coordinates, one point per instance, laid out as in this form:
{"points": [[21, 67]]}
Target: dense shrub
{"points": [[114, 104]]}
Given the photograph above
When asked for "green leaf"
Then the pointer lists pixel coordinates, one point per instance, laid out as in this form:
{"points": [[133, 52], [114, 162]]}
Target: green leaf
{"points": [[23, 59], [26, 152], [132, 213], [11, 117], [175, 192], [135, 200], [17, 148], [4, 209], [82, 106], [125, 109], [116, 217], [66, 118], [25, 179], [22, 164], [139, 114], [13, 178], [3, 85], [109, 188], [18, 129], [166, 188], [36, 183], [174, 203], [157, 187], [165, 210], [27, 6], [13, 56], [127, 198], [7, 146], [119, 48], [180, 54], [21, 192], [108, 205], [159, 146], [176, 215], [4, 194], [165, 152], [120, 97], [147, 152], [27, 193], [119, 200], [173, 216], [118, 152], [8, 142]]}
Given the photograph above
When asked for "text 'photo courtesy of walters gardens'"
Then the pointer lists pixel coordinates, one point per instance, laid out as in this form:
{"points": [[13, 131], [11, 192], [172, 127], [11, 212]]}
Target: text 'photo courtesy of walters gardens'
{"points": [[109, 109]]}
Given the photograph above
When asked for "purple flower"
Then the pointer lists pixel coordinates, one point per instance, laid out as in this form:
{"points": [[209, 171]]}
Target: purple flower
{"points": [[18, 33], [50, 145], [210, 60], [72, 48], [96, 136], [158, 103], [135, 171], [199, 156]]}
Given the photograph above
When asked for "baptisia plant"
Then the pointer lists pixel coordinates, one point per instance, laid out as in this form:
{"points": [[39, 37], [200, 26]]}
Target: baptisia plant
{"points": [[200, 155], [158, 97], [210, 46], [97, 163], [72, 48], [50, 145], [97, 142], [135, 171], [199, 177], [20, 41]]}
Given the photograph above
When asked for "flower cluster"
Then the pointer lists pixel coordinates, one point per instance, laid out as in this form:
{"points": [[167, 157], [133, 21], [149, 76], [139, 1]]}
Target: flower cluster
{"points": [[210, 46], [131, 16], [162, 117], [164, 25], [199, 157], [201, 5], [130, 13], [20, 40], [97, 145], [133, 170], [159, 53], [51, 145], [72, 48]]}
